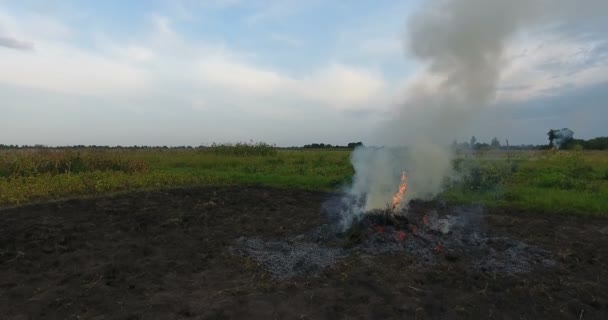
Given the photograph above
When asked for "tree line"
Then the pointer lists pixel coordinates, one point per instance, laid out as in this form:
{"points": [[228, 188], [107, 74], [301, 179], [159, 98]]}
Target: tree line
{"points": [[135, 147], [558, 139], [350, 145]]}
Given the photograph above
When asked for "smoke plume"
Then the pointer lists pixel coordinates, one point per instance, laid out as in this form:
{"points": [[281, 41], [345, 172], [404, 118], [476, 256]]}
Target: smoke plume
{"points": [[562, 136], [461, 46]]}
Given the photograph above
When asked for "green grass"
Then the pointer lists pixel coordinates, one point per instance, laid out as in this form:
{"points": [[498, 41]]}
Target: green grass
{"points": [[314, 170], [568, 182]]}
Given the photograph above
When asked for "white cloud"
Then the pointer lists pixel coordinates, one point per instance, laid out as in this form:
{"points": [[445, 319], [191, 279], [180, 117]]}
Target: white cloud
{"points": [[544, 65], [13, 43], [240, 77], [164, 63], [57, 65], [68, 70], [344, 87], [338, 86]]}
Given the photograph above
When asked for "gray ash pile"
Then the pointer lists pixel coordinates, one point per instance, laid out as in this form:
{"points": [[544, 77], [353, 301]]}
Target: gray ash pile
{"points": [[427, 232]]}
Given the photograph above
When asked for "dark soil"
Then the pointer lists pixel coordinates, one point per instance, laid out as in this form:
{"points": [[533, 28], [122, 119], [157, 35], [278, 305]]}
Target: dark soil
{"points": [[169, 255]]}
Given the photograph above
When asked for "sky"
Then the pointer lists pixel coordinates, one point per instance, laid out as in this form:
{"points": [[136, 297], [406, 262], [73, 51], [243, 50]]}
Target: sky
{"points": [[192, 72]]}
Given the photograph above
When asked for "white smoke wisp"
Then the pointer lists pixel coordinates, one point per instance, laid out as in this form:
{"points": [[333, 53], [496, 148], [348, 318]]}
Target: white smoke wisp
{"points": [[461, 45]]}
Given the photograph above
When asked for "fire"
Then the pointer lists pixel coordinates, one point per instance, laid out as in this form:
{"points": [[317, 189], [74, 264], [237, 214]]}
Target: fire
{"points": [[379, 229], [438, 247], [401, 235], [398, 197]]}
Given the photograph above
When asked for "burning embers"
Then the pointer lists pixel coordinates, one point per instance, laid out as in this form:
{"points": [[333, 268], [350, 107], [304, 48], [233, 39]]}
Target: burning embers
{"points": [[430, 234], [395, 223], [382, 230]]}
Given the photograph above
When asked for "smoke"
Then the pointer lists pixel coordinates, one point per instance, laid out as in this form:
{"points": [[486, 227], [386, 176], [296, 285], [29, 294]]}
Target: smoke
{"points": [[461, 46], [562, 136]]}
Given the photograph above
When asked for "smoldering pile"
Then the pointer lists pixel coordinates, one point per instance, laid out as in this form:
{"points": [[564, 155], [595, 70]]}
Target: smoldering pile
{"points": [[429, 233]]}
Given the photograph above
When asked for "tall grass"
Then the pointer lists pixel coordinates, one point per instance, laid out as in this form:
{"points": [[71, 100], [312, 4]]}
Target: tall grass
{"points": [[315, 170], [243, 149], [25, 163]]}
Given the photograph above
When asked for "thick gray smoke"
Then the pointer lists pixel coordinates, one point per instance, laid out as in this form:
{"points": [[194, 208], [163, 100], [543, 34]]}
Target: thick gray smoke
{"points": [[461, 46], [562, 136]]}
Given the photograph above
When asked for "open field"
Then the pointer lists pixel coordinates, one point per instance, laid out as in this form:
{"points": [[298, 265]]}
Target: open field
{"points": [[236, 233], [168, 255], [159, 168], [571, 182]]}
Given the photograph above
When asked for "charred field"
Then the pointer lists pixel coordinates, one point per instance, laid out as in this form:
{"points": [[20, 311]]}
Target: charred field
{"points": [[222, 252]]}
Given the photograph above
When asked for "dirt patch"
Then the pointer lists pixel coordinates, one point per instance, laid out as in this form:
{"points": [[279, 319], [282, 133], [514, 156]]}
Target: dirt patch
{"points": [[167, 255]]}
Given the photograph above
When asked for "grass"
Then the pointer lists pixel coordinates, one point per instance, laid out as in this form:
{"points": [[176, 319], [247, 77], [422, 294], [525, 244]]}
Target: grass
{"points": [[49, 175], [569, 182]]}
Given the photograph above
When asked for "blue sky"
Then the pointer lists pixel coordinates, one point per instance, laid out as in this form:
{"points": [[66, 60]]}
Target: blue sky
{"points": [[171, 72]]}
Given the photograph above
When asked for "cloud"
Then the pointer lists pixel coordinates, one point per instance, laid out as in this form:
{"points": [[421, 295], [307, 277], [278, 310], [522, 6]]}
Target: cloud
{"points": [[157, 70], [69, 70], [547, 64], [278, 10], [13, 43], [240, 77], [165, 64], [339, 86]]}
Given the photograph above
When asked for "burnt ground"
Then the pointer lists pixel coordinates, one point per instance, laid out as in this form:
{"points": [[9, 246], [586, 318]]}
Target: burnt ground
{"points": [[169, 255]]}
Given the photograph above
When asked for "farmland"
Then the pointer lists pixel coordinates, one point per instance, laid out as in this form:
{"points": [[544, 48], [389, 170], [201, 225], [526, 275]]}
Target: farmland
{"points": [[240, 232], [569, 182]]}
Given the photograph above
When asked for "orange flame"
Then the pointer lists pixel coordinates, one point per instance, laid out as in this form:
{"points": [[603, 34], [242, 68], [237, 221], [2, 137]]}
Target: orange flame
{"points": [[398, 197]]}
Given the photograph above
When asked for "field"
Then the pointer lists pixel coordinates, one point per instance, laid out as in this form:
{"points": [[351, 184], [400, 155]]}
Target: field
{"points": [[200, 234], [570, 182]]}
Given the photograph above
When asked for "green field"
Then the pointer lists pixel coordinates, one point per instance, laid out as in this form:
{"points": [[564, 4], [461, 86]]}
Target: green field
{"points": [[571, 182]]}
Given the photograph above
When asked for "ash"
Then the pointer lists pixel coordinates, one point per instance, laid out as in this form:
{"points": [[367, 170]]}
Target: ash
{"points": [[453, 235], [285, 259]]}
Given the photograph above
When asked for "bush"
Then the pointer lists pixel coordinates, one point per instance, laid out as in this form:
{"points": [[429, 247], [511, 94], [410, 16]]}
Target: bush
{"points": [[482, 175]]}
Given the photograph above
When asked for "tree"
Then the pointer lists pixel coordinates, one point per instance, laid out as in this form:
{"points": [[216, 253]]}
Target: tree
{"points": [[552, 136], [353, 145], [472, 142], [495, 143]]}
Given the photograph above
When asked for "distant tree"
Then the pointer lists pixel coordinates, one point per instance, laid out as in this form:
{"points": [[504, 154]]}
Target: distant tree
{"points": [[353, 145], [473, 141], [495, 143], [552, 136], [599, 143], [560, 138], [481, 146]]}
